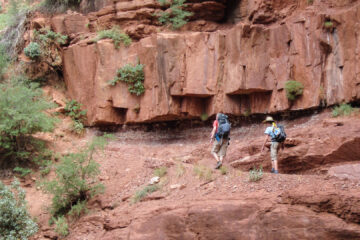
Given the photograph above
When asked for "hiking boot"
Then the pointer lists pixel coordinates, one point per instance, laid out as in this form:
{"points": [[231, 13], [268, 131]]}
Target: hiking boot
{"points": [[276, 171], [272, 170], [218, 165]]}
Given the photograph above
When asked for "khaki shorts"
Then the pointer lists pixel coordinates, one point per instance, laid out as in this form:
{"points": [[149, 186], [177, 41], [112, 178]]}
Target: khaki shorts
{"points": [[274, 150], [220, 147]]}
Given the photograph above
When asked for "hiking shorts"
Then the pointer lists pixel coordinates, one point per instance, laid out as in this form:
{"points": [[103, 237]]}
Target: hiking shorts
{"points": [[274, 150], [220, 147]]}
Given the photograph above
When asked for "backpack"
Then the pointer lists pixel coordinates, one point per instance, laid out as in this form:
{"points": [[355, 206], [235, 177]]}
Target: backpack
{"points": [[224, 126], [280, 134]]}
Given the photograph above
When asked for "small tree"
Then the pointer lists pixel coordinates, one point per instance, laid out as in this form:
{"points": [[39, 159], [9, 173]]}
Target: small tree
{"points": [[15, 221], [76, 178], [21, 115], [293, 89]]}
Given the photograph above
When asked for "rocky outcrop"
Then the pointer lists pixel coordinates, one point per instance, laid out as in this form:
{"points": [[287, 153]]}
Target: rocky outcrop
{"points": [[237, 71]]}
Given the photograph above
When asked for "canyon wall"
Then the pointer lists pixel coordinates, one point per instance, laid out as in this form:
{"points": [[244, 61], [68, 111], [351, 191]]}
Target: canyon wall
{"points": [[238, 68]]}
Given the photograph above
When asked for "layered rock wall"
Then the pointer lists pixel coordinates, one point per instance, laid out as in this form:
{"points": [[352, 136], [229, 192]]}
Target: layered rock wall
{"points": [[239, 70]]}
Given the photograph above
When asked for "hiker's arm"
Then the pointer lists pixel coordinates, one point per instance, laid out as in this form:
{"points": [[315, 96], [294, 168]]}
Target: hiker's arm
{"points": [[266, 139], [212, 134]]}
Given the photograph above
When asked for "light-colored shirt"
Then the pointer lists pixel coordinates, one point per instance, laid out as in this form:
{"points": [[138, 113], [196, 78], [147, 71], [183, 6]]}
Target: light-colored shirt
{"points": [[270, 131]]}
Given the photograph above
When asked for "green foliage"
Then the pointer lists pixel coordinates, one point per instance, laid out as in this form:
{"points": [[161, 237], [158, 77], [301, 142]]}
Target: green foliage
{"points": [[73, 110], [141, 194], [4, 60], [47, 37], [203, 172], [133, 76], [22, 171], [61, 226], [21, 115], [177, 16], [78, 209], [328, 24], [33, 50], [223, 170], [343, 110], [76, 178], [116, 35], [160, 172], [204, 117], [293, 89], [255, 174], [15, 221]]}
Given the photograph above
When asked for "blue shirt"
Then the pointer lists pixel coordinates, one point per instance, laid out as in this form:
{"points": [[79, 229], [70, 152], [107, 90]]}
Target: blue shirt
{"points": [[270, 131]]}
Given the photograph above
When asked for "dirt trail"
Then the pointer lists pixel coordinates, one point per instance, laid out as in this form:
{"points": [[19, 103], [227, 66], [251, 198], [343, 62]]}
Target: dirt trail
{"points": [[308, 205]]}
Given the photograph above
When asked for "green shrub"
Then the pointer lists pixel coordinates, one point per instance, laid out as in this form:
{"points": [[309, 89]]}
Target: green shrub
{"points": [[33, 50], [15, 221], [21, 115], [4, 60], [343, 110], [116, 35], [22, 171], [177, 16], [293, 89], [203, 172], [255, 174], [133, 76], [141, 194], [328, 24], [73, 110], [78, 209], [47, 37], [204, 117], [160, 172], [61, 226], [76, 178]]}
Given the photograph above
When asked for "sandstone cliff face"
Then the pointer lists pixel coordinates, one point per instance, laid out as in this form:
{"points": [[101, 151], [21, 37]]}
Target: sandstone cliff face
{"points": [[238, 70]]}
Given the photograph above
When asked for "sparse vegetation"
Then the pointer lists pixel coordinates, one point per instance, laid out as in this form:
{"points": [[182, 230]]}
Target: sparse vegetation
{"points": [[293, 89], [180, 169], [204, 117], [255, 174], [160, 172], [141, 194], [33, 50], [61, 226], [175, 15], [203, 172], [344, 110], [15, 221], [76, 179], [116, 35], [223, 170], [133, 76]]}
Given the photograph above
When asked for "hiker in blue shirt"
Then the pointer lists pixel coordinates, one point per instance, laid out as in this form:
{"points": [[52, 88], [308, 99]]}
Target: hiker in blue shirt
{"points": [[271, 132]]}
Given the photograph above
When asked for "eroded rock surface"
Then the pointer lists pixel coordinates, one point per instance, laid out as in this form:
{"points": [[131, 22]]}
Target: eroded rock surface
{"points": [[240, 70]]}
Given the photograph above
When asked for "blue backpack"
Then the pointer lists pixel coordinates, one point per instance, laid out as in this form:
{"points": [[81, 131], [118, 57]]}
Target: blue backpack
{"points": [[224, 126], [280, 134]]}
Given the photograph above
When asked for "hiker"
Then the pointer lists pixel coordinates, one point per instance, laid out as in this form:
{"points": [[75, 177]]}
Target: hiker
{"points": [[278, 136], [221, 133]]}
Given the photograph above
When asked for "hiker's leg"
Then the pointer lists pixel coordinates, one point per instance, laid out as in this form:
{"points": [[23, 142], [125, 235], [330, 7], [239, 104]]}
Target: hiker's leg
{"points": [[273, 153], [223, 149], [215, 149]]}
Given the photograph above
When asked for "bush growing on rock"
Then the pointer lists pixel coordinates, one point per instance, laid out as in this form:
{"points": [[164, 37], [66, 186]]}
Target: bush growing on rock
{"points": [[15, 221], [73, 110], [175, 16], [293, 89], [116, 35], [133, 76], [33, 50], [255, 174], [76, 179]]}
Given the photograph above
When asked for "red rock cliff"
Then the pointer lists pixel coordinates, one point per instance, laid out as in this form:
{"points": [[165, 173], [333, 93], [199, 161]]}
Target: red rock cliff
{"points": [[238, 69]]}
